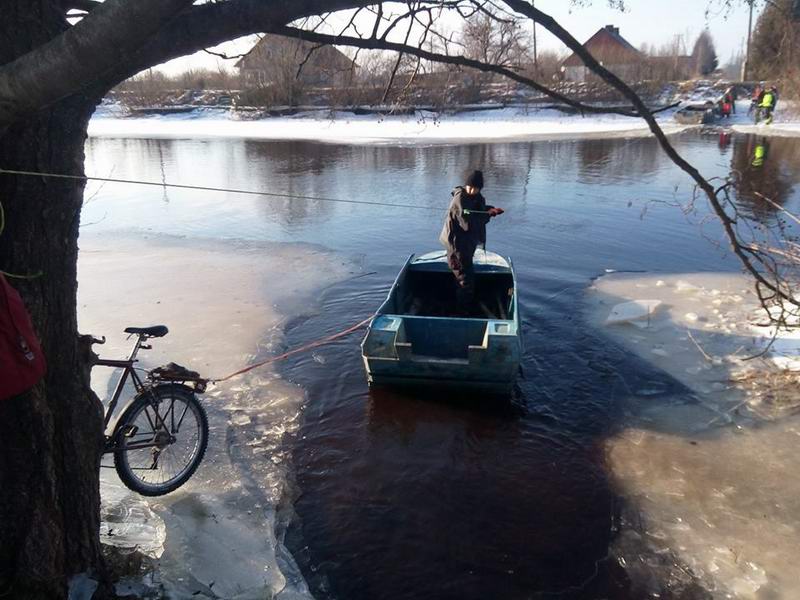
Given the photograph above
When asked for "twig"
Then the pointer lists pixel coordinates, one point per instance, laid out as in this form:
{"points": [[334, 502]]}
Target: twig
{"points": [[694, 341], [778, 206]]}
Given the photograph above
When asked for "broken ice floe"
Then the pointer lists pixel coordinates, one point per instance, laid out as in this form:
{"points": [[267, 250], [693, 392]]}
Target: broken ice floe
{"points": [[634, 312], [127, 522], [705, 475]]}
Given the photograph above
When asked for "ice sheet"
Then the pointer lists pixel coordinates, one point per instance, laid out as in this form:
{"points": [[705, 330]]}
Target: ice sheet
{"points": [[220, 534], [636, 310], [422, 127], [708, 478]]}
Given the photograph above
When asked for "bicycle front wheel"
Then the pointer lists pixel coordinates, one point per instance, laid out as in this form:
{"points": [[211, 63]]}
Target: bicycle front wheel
{"points": [[160, 440]]}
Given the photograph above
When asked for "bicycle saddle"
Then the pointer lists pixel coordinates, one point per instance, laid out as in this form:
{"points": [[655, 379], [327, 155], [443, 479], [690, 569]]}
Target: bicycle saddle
{"points": [[154, 331]]}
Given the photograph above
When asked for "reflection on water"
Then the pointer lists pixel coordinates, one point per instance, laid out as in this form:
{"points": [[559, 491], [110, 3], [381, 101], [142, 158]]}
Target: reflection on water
{"points": [[767, 166], [446, 497], [573, 207]]}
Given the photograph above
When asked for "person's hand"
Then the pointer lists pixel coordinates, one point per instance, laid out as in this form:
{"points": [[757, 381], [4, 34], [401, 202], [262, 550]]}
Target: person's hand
{"points": [[493, 212]]}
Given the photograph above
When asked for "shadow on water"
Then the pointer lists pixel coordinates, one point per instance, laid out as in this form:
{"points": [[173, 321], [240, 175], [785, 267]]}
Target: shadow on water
{"points": [[409, 495]]}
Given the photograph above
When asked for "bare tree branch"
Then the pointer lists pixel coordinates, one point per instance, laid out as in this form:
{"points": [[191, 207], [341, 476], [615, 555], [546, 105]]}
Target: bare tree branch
{"points": [[96, 54], [225, 56], [752, 261]]}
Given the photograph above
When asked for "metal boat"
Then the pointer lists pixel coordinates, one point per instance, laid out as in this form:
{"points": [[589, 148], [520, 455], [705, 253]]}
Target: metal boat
{"points": [[697, 114], [417, 338]]}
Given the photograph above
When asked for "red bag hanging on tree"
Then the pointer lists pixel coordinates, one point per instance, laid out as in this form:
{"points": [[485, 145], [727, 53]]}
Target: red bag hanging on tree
{"points": [[22, 363]]}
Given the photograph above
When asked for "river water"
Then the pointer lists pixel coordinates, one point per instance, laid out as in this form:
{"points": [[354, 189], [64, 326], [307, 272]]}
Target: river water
{"points": [[399, 495]]}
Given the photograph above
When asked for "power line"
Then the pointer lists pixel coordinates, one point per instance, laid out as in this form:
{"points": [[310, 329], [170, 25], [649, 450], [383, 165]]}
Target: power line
{"points": [[204, 188]]}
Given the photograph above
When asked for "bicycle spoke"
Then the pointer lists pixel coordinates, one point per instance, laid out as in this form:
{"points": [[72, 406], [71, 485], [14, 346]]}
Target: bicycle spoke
{"points": [[180, 421], [163, 447], [149, 420]]}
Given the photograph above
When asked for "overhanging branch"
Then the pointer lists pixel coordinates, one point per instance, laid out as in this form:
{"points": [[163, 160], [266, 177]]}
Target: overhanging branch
{"points": [[753, 263]]}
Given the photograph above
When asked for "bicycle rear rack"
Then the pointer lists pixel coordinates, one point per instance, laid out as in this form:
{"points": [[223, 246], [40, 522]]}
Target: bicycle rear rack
{"points": [[175, 373]]}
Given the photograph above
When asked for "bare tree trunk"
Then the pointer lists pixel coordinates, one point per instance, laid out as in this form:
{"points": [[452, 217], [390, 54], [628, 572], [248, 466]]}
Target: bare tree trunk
{"points": [[52, 437]]}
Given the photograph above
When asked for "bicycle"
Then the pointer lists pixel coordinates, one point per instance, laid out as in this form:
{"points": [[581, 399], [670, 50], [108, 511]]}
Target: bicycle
{"points": [[162, 435]]}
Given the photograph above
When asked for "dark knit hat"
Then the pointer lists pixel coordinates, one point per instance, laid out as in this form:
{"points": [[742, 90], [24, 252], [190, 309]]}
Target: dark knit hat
{"points": [[475, 179]]}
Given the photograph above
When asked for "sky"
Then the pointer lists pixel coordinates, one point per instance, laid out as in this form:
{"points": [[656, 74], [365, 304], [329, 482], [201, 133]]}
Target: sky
{"points": [[654, 22]]}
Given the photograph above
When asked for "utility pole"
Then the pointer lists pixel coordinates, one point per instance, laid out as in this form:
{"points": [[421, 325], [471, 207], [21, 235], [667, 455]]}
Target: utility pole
{"points": [[535, 50], [746, 63]]}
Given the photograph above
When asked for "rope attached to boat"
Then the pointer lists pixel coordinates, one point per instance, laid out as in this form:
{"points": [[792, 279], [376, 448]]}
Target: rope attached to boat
{"points": [[309, 346]]}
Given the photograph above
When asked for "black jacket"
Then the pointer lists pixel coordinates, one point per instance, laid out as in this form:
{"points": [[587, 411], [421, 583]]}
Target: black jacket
{"points": [[464, 230]]}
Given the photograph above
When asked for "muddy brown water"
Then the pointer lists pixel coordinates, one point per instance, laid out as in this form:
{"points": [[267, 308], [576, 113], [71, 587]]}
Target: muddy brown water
{"points": [[439, 495]]}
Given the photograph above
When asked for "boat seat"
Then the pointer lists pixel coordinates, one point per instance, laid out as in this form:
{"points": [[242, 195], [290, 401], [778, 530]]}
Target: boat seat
{"points": [[152, 331]]}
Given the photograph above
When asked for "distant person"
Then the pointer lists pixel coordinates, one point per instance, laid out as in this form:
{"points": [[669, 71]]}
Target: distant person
{"points": [[729, 102], [755, 98], [767, 106], [464, 229]]}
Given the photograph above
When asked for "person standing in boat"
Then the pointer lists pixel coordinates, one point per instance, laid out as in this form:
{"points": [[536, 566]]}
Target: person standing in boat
{"points": [[463, 231]]}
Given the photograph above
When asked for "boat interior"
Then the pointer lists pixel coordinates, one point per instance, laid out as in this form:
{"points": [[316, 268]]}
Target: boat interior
{"points": [[432, 293]]}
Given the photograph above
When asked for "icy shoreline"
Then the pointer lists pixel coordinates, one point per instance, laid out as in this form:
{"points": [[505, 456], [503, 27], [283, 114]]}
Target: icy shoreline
{"points": [[508, 124], [705, 476], [220, 535]]}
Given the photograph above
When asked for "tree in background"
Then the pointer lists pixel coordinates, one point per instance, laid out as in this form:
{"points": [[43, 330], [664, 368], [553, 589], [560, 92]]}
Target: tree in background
{"points": [[491, 39], [704, 54], [494, 40], [775, 49]]}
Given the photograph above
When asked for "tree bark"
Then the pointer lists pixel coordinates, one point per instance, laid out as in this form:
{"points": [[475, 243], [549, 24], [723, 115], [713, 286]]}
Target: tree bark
{"points": [[50, 438]]}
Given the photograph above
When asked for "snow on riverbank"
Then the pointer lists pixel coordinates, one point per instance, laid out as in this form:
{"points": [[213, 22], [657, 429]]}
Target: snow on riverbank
{"points": [[778, 128], [422, 127], [219, 536], [708, 477], [702, 328], [786, 121]]}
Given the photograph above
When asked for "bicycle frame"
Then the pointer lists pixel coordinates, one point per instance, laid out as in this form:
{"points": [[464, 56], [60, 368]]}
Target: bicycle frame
{"points": [[127, 370], [138, 384]]}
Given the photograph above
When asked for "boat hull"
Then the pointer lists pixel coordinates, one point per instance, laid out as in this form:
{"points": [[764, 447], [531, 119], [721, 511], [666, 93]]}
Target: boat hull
{"points": [[421, 375], [402, 349]]}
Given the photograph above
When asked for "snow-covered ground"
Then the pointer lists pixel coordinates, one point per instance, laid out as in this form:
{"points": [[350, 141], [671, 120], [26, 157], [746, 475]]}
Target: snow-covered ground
{"points": [[708, 477], [514, 124], [342, 127], [219, 536], [786, 120]]}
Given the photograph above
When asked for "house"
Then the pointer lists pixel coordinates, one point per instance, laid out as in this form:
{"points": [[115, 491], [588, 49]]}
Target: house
{"points": [[276, 58], [611, 50], [670, 68]]}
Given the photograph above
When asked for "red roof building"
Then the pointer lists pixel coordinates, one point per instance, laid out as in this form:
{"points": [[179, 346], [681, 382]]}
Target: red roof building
{"points": [[611, 50]]}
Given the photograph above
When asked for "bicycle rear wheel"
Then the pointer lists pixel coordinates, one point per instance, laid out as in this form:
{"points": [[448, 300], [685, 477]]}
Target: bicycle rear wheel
{"points": [[160, 440]]}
